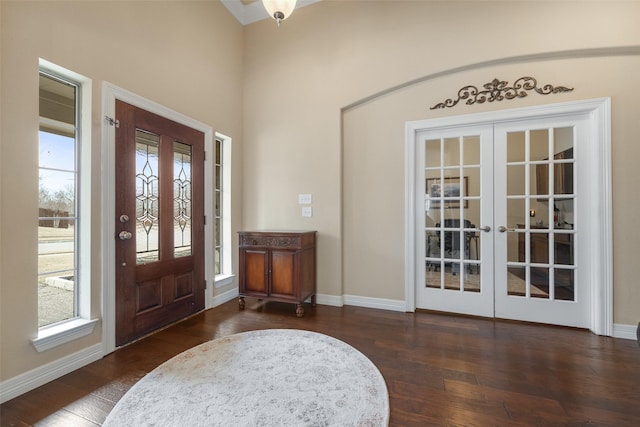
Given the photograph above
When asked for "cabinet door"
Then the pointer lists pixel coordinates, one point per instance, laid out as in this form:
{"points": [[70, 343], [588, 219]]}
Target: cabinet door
{"points": [[284, 267], [256, 272]]}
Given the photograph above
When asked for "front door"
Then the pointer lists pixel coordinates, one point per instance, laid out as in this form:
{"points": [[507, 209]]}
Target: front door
{"points": [[498, 219], [159, 222]]}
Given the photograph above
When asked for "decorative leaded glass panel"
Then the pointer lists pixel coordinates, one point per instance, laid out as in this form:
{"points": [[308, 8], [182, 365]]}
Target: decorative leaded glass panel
{"points": [[181, 199], [147, 197]]}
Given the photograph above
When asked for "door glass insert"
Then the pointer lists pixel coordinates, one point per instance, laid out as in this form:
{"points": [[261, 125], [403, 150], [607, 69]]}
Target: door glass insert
{"points": [[147, 197], [452, 212], [540, 205], [181, 199], [517, 281], [451, 152]]}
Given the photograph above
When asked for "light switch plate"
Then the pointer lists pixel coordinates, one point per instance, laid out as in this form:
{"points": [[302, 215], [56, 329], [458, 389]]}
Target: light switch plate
{"points": [[307, 211], [304, 199]]}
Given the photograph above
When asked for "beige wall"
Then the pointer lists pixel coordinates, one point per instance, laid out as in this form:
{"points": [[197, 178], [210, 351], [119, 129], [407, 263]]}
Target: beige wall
{"points": [[184, 55], [300, 77], [281, 92]]}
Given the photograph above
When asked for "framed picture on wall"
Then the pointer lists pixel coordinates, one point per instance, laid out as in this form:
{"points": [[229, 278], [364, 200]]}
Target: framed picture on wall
{"points": [[449, 187]]}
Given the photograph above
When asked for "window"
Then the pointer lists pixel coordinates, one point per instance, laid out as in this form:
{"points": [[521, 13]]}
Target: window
{"points": [[58, 184], [222, 212], [219, 207], [64, 204]]}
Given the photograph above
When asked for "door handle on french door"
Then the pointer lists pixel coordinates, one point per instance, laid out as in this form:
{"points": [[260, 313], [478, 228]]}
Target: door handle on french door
{"points": [[486, 229], [502, 229], [125, 235]]}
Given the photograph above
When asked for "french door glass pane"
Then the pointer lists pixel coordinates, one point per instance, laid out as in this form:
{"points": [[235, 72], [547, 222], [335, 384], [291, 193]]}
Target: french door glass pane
{"points": [[515, 247], [451, 152], [564, 287], [517, 281], [471, 150], [432, 154]]}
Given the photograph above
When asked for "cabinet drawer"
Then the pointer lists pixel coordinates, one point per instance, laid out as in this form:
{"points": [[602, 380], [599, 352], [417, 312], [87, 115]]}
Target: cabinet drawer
{"points": [[270, 241]]}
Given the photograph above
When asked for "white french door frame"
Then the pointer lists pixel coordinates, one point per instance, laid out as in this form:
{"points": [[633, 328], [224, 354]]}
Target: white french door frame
{"points": [[597, 162], [110, 93]]}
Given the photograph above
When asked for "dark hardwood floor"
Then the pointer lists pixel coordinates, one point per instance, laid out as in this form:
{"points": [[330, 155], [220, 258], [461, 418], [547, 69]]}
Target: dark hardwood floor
{"points": [[441, 370]]}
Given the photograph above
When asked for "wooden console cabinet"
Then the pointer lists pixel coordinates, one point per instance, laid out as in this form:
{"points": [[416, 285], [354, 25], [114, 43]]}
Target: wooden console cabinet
{"points": [[278, 266]]}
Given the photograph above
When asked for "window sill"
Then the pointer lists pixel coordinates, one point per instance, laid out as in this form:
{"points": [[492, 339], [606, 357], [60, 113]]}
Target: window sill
{"points": [[224, 280], [53, 336]]}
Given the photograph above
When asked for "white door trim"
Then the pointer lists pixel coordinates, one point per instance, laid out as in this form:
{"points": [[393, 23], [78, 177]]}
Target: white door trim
{"points": [[110, 93], [599, 162]]}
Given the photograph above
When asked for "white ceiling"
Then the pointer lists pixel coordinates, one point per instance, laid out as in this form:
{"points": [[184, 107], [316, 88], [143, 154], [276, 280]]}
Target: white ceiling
{"points": [[250, 11]]}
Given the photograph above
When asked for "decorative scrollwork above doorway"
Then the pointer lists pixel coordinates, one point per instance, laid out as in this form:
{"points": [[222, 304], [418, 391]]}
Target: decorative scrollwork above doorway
{"points": [[498, 90]]}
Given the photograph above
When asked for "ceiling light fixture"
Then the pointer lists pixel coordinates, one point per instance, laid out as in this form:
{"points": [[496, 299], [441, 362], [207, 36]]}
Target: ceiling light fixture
{"points": [[279, 9]]}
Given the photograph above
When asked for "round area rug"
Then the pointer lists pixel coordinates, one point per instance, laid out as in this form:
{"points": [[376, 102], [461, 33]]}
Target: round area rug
{"points": [[273, 377]]}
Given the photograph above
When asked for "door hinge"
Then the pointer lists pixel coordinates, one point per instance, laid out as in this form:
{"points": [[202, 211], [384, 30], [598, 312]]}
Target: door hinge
{"points": [[205, 284], [112, 121], [205, 156], [205, 220]]}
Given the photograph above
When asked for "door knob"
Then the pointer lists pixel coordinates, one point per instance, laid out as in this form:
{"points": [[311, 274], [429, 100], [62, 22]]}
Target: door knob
{"points": [[124, 218], [502, 229], [485, 229], [125, 235]]}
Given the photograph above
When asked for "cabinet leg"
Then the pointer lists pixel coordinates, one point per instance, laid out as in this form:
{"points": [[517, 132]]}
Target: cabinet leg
{"points": [[241, 303], [300, 310]]}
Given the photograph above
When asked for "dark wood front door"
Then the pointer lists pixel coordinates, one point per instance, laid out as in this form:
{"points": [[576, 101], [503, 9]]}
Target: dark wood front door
{"points": [[159, 222]]}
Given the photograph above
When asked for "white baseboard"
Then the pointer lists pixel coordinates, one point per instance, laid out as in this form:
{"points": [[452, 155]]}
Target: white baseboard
{"points": [[20, 384], [224, 297], [627, 332], [332, 300], [381, 303], [358, 301]]}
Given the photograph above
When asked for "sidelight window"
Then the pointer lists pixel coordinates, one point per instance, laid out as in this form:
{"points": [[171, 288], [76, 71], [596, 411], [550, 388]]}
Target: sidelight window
{"points": [[222, 213]]}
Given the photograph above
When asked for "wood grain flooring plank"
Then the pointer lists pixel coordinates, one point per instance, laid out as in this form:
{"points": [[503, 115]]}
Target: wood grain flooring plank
{"points": [[440, 369]]}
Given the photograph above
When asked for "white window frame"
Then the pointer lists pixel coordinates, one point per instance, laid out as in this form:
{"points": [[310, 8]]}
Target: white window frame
{"points": [[62, 332], [226, 276]]}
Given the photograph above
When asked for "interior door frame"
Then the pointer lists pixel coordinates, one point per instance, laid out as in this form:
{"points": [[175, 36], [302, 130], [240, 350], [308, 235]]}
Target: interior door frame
{"points": [[110, 93], [598, 163]]}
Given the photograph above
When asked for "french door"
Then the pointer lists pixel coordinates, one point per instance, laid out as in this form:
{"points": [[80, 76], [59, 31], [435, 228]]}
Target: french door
{"points": [[455, 199], [159, 247], [542, 274], [500, 214]]}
